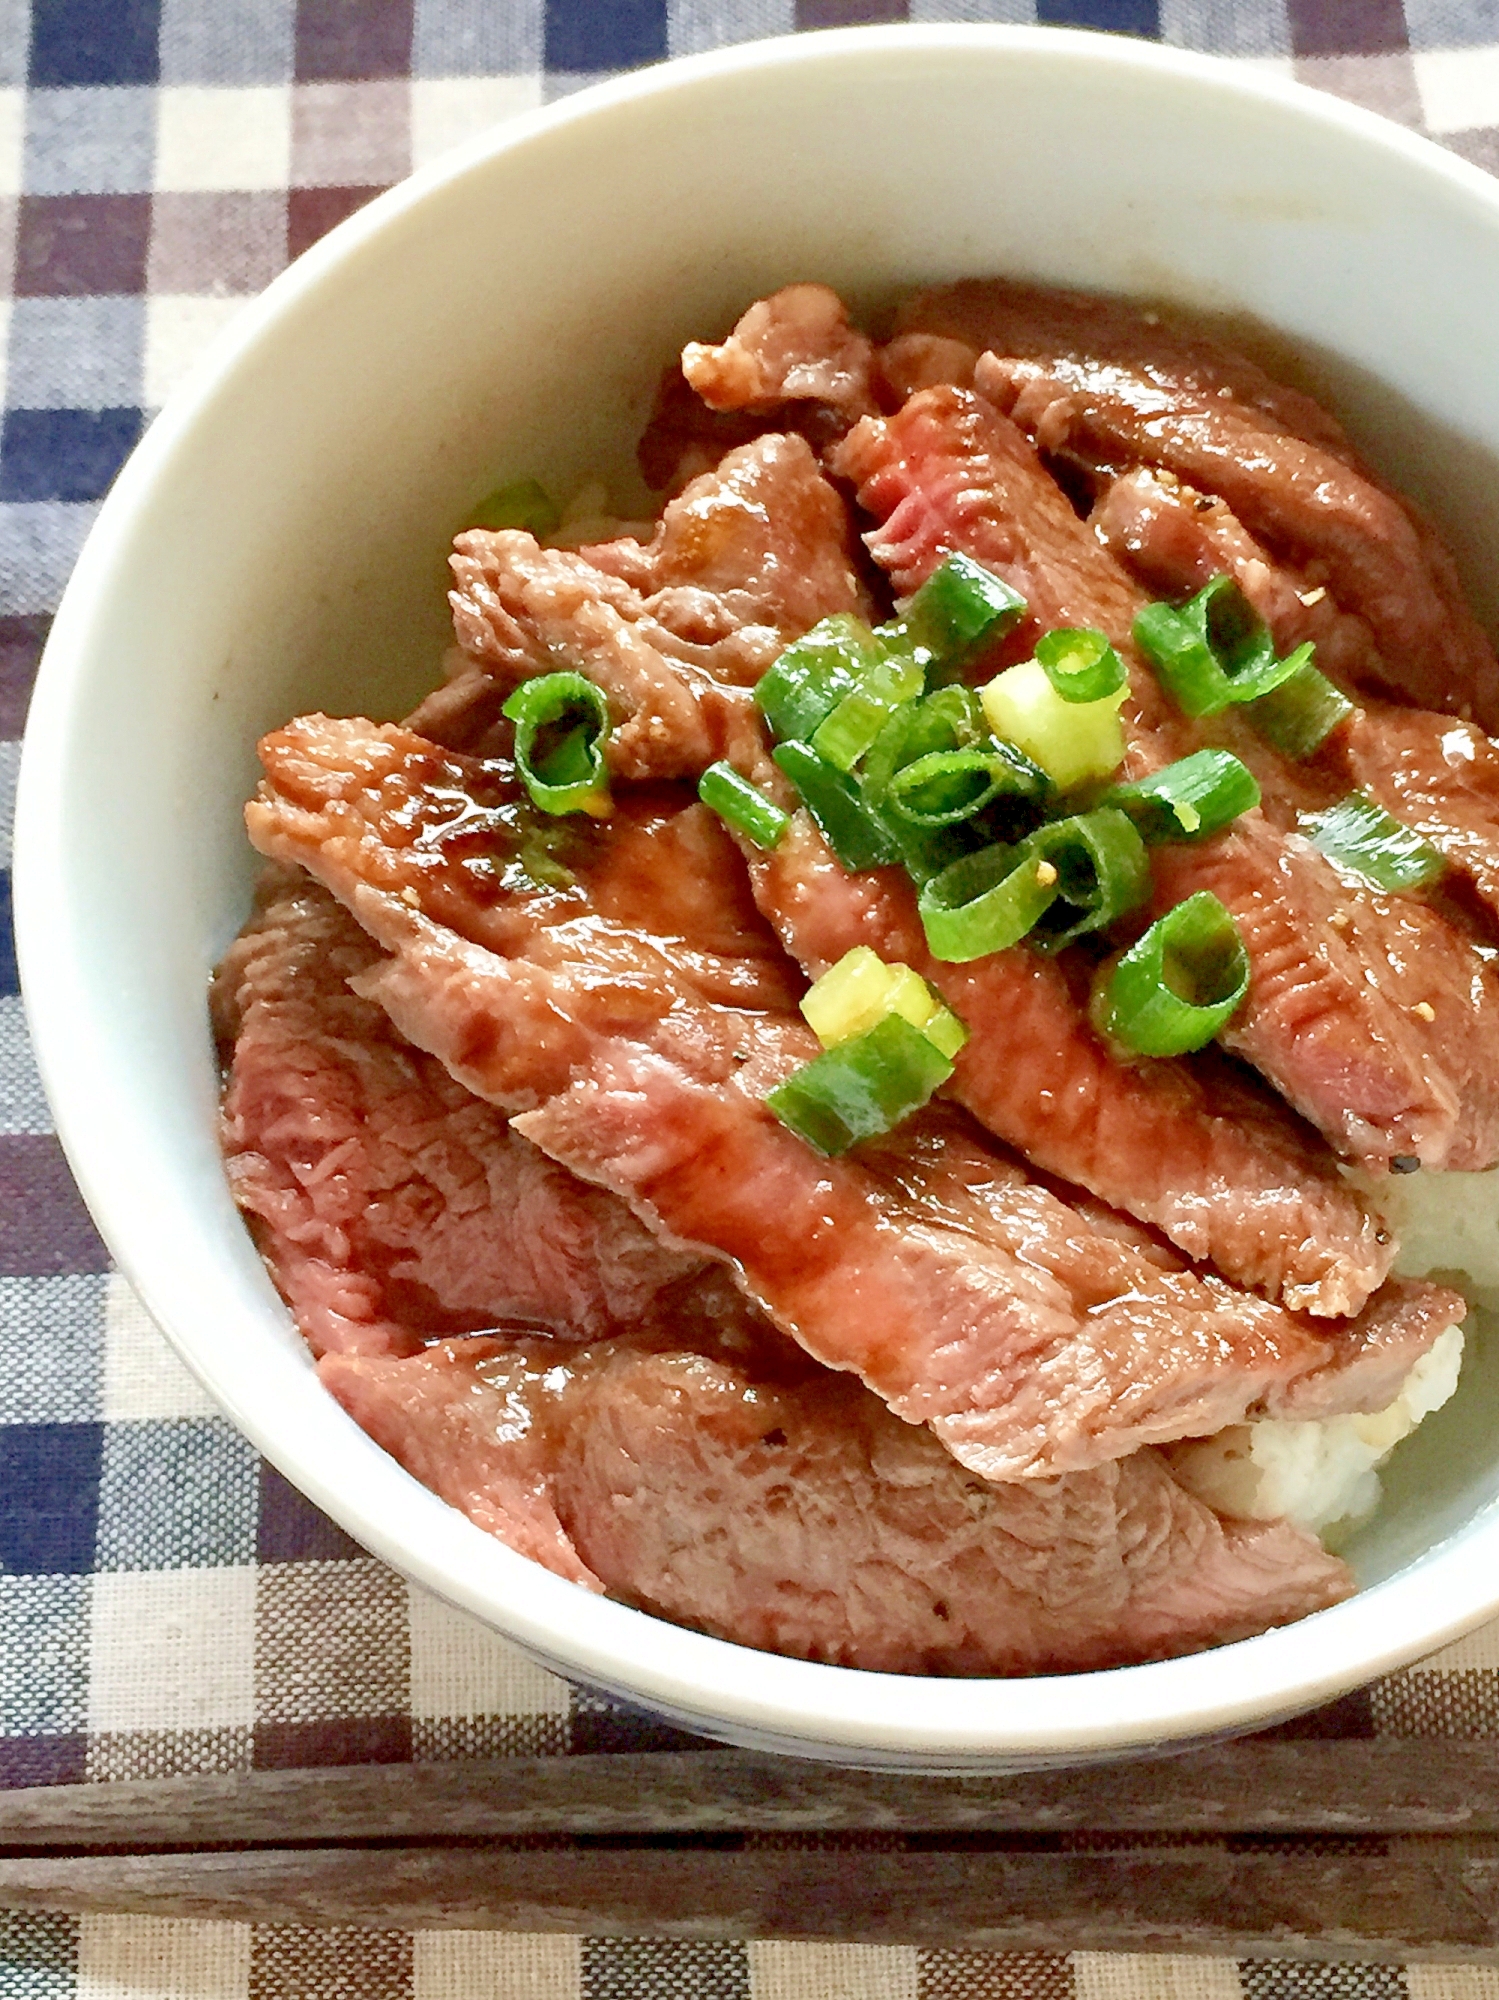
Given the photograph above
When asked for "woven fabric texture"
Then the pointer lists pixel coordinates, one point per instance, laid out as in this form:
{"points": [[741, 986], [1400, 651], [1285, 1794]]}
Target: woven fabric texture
{"points": [[167, 1603]]}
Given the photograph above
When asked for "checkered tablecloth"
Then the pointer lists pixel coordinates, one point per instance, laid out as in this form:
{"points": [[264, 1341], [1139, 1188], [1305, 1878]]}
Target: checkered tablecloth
{"points": [[167, 1603]]}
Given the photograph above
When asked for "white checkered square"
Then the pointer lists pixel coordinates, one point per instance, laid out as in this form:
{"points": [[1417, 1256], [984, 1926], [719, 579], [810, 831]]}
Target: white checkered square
{"points": [[12, 131], [460, 1668], [10, 757], [173, 1650], [180, 329], [1459, 88], [487, 1965], [223, 139], [161, 1958], [779, 1971], [1452, 1982], [447, 110], [143, 1378]]}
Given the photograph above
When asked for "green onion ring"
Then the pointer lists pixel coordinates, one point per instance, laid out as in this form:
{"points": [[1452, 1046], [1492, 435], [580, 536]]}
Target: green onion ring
{"points": [[946, 787], [1178, 986], [1103, 871], [1190, 799], [561, 727], [1080, 664], [985, 902]]}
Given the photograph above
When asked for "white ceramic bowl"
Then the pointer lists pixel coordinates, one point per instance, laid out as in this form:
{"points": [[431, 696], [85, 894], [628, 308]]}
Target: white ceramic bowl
{"points": [[277, 542]]}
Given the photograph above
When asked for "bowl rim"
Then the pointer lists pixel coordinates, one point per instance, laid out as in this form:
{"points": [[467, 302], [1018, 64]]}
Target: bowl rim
{"points": [[719, 1687]]}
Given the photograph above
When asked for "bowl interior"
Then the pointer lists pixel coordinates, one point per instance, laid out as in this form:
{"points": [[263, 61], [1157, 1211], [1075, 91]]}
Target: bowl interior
{"points": [[278, 545]]}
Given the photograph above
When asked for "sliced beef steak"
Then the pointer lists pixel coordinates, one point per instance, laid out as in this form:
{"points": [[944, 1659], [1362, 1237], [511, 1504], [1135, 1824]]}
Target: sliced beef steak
{"points": [[1436, 772], [675, 632], [793, 363], [803, 1519], [1040, 323], [797, 345], [1196, 1149], [638, 1020], [950, 472], [462, 1418], [392, 1205], [1090, 380], [790, 1511]]}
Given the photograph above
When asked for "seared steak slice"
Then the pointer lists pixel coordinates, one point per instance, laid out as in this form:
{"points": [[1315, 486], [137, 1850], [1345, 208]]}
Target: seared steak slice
{"points": [[1040, 323], [805, 1520], [950, 472], [675, 632], [390, 1204], [1403, 1320], [1194, 1148], [797, 345], [1436, 772], [797, 1515], [793, 363], [1304, 499], [462, 1418], [640, 1031]]}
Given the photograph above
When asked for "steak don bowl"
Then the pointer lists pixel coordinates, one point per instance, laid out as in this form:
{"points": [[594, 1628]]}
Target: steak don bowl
{"points": [[277, 547]]}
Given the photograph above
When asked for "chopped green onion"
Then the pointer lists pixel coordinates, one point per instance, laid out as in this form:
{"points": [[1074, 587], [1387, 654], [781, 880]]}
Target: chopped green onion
{"points": [[1189, 799], [1215, 650], [950, 719], [1238, 637], [986, 902], [1298, 716], [813, 675], [862, 989], [1179, 985], [947, 787], [1183, 660], [1362, 837], [1080, 664], [1101, 871], [1073, 742], [960, 609], [862, 1088], [856, 835], [849, 730], [521, 504], [561, 727], [742, 805]]}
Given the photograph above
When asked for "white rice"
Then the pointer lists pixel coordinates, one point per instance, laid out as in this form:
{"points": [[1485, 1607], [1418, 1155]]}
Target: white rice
{"points": [[1325, 1476], [588, 517]]}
